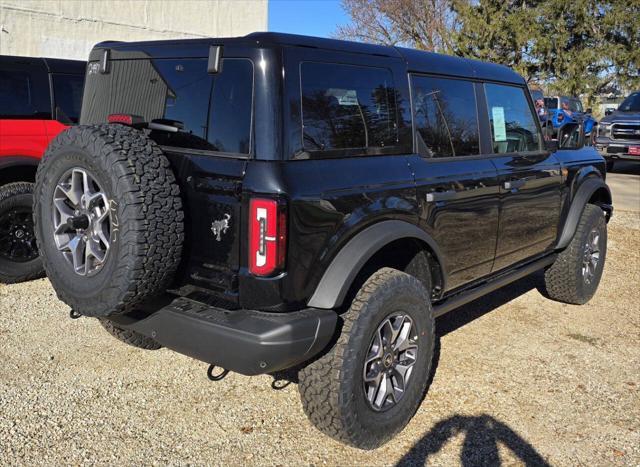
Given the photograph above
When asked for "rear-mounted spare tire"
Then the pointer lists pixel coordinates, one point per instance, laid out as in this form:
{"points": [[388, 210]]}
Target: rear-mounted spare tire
{"points": [[108, 219]]}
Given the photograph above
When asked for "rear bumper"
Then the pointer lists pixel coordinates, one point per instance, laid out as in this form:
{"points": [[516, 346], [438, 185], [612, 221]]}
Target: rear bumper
{"points": [[244, 341]]}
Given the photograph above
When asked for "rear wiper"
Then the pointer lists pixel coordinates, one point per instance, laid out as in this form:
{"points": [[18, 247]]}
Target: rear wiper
{"points": [[158, 124], [163, 124]]}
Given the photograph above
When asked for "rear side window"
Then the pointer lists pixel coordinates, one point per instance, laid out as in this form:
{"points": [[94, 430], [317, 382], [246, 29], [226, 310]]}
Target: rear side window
{"points": [[67, 95], [513, 125], [347, 107], [445, 117], [21, 97]]}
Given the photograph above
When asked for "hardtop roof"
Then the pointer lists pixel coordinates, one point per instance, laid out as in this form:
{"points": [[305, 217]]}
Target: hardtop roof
{"points": [[416, 60], [53, 65]]}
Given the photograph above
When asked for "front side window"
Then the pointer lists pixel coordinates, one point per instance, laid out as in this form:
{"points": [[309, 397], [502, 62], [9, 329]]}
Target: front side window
{"points": [[20, 97], [513, 126], [347, 107], [445, 117], [67, 92], [631, 103]]}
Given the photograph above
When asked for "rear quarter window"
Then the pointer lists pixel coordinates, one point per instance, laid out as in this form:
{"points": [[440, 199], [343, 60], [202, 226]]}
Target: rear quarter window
{"points": [[67, 95], [347, 109]]}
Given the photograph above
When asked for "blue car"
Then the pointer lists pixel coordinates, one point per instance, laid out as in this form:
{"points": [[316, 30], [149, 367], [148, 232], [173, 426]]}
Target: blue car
{"points": [[563, 110]]}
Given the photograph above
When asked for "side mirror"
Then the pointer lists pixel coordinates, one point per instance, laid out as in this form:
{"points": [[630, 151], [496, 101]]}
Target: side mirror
{"points": [[551, 145], [571, 136], [608, 111]]}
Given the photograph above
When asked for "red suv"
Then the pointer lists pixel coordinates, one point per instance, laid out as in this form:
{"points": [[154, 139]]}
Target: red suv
{"points": [[39, 97]]}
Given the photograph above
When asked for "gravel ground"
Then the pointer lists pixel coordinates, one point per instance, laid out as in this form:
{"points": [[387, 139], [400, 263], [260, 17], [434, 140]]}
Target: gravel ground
{"points": [[520, 379]]}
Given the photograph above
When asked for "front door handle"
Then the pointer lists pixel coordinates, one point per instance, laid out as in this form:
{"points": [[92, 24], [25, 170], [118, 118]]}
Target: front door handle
{"points": [[514, 184], [441, 196]]}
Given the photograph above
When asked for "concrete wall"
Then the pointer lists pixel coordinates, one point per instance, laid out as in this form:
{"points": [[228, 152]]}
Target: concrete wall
{"points": [[69, 28]]}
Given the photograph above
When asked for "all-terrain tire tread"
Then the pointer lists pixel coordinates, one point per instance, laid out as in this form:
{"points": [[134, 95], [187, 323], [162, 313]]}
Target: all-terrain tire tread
{"points": [[130, 337], [6, 192], [561, 278], [151, 223], [323, 397]]}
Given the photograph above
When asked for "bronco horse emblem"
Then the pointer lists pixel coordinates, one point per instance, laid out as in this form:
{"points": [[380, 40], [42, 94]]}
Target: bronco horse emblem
{"points": [[220, 227]]}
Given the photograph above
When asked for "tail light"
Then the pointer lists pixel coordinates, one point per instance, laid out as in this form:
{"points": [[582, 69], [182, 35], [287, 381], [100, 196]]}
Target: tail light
{"points": [[125, 119], [267, 236]]}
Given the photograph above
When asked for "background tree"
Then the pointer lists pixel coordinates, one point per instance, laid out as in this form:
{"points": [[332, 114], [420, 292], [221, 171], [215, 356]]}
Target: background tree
{"points": [[421, 24], [575, 47]]}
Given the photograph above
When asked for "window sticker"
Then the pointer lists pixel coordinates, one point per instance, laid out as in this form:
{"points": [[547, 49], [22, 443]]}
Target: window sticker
{"points": [[345, 97], [499, 127]]}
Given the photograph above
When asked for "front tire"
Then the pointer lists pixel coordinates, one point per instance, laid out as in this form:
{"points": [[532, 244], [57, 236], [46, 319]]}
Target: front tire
{"points": [[370, 384], [576, 273]]}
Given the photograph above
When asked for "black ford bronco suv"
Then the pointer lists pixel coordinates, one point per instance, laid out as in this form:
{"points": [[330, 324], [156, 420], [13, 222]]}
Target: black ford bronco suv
{"points": [[277, 201]]}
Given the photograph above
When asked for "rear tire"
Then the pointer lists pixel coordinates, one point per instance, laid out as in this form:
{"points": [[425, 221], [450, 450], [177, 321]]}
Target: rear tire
{"points": [[132, 338], [334, 393], [19, 259], [574, 277], [129, 212]]}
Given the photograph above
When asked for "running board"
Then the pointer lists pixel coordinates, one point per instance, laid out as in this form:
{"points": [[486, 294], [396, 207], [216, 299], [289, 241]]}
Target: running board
{"points": [[484, 288]]}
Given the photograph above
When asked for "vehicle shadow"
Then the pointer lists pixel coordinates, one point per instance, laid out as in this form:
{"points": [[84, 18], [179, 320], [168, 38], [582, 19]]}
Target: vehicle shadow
{"points": [[483, 434], [483, 305]]}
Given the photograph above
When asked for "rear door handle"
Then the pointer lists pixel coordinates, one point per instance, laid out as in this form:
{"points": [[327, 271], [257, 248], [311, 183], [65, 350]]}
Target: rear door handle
{"points": [[514, 184], [441, 196]]}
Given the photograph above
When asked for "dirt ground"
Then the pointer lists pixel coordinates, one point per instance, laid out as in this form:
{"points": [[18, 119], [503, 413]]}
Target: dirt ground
{"points": [[519, 380]]}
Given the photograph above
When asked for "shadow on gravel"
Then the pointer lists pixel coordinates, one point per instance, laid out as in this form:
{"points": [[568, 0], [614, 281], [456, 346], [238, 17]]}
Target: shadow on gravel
{"points": [[457, 318], [482, 434]]}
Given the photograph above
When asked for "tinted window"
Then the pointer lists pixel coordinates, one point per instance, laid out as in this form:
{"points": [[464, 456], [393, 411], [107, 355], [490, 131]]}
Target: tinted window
{"points": [[513, 126], [67, 92], [183, 101], [551, 102], [20, 96], [211, 112], [631, 103], [571, 105], [231, 105], [445, 117], [345, 107]]}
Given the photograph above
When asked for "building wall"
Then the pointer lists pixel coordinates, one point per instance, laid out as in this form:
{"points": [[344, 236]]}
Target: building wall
{"points": [[70, 28]]}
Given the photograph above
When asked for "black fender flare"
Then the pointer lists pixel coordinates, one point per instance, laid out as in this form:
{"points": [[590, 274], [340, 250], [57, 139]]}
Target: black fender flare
{"points": [[346, 265], [579, 201], [15, 161]]}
